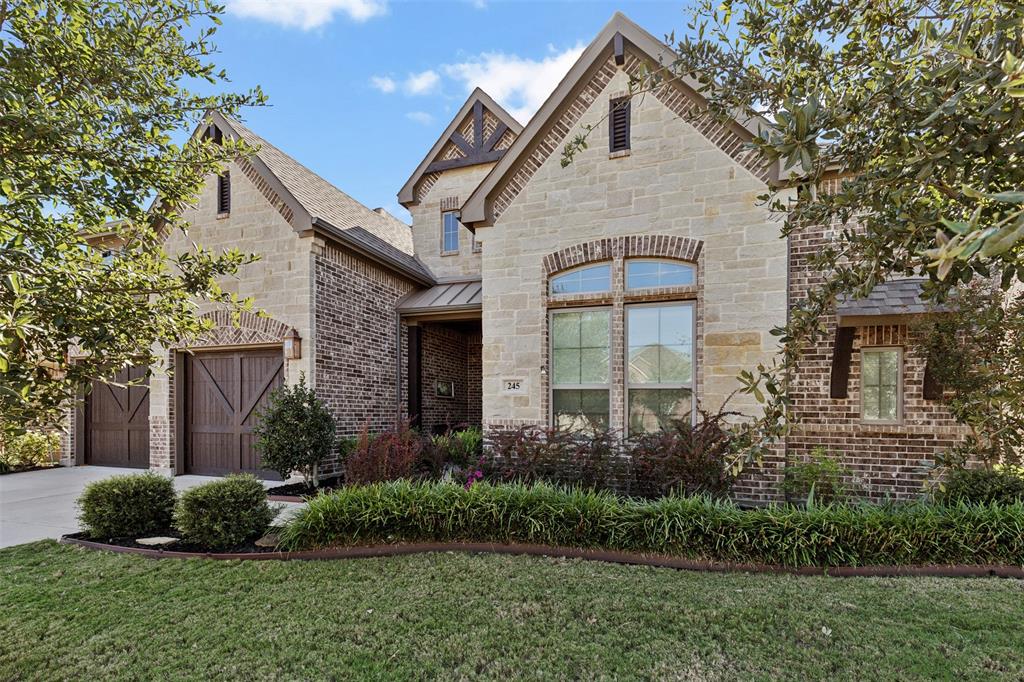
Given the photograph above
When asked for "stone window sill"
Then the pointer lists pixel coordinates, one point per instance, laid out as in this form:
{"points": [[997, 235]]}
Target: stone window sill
{"points": [[222, 216], [621, 154], [449, 253]]}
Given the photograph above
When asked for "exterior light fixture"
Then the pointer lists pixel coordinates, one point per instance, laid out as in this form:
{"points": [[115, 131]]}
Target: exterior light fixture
{"points": [[292, 345]]}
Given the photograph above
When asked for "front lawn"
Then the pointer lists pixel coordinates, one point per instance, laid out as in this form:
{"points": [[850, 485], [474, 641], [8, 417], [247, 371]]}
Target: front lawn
{"points": [[69, 612]]}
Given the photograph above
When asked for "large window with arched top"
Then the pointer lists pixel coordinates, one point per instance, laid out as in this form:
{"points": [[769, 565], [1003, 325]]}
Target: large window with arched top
{"points": [[592, 279], [643, 273]]}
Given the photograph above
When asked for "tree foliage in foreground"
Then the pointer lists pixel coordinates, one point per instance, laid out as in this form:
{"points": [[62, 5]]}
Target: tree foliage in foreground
{"points": [[917, 106], [92, 95]]}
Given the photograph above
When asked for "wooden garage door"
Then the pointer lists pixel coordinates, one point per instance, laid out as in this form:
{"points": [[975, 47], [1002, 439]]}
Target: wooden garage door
{"points": [[224, 393], [117, 422]]}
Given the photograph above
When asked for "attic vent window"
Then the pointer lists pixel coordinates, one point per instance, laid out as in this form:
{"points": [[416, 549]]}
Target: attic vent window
{"points": [[618, 125], [224, 193]]}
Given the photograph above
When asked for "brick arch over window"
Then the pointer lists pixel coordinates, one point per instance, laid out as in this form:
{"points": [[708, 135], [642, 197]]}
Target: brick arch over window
{"points": [[632, 246], [251, 329]]}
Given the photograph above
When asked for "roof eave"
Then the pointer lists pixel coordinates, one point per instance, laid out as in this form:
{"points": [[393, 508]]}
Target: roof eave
{"points": [[339, 235]]}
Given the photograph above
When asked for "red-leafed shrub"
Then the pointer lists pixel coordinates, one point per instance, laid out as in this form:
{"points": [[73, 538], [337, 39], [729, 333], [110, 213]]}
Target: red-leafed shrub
{"points": [[684, 458], [529, 454], [386, 456]]}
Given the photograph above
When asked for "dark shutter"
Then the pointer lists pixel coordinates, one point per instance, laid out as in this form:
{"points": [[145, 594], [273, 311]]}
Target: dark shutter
{"points": [[841, 355], [932, 389], [224, 193], [618, 125]]}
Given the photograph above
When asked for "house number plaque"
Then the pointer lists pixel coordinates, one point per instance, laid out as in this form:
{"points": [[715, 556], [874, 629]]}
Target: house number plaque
{"points": [[514, 386]]}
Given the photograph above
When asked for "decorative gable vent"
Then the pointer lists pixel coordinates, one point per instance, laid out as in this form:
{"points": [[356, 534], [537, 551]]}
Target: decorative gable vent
{"points": [[618, 125], [224, 193]]}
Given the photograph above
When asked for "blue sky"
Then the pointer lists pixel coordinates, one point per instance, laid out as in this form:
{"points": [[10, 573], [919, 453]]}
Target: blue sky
{"points": [[360, 89]]}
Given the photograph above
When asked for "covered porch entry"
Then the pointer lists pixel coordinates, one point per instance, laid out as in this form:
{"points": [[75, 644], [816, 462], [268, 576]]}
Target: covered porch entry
{"points": [[444, 383]]}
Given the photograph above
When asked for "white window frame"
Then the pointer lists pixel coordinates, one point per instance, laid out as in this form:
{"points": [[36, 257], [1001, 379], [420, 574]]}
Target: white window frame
{"points": [[552, 386], [458, 239], [899, 383], [691, 385], [581, 268], [668, 261]]}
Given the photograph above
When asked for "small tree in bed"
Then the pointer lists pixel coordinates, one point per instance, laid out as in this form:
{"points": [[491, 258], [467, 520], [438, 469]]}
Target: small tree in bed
{"points": [[295, 432]]}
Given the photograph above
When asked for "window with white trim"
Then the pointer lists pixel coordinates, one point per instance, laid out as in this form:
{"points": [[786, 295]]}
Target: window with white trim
{"points": [[881, 380], [592, 279], [650, 274], [580, 368], [450, 227], [659, 351]]}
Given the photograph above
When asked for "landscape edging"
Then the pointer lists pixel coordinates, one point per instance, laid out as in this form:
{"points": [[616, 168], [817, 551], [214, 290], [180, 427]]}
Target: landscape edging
{"points": [[608, 556]]}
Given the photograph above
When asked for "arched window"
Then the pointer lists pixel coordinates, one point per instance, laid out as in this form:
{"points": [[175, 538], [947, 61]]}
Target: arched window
{"points": [[588, 280], [650, 274]]}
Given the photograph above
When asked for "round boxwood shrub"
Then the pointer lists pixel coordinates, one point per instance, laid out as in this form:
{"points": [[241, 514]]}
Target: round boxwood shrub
{"points": [[224, 514], [128, 506], [982, 486]]}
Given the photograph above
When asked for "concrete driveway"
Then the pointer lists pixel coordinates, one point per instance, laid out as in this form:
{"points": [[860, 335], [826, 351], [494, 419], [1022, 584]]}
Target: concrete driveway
{"points": [[35, 505]]}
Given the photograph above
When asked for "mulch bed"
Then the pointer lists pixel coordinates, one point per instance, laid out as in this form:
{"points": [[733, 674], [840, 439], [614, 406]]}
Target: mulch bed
{"points": [[177, 548], [610, 556], [296, 492]]}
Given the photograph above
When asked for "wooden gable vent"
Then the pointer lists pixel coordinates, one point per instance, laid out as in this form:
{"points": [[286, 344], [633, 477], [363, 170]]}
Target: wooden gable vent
{"points": [[224, 193], [618, 125]]}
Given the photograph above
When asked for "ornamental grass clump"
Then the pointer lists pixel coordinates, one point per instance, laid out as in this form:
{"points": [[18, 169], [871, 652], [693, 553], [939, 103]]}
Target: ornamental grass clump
{"points": [[691, 527]]}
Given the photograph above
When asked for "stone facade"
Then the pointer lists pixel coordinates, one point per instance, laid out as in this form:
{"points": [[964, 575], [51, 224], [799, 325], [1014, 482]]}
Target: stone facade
{"points": [[446, 193], [674, 183]]}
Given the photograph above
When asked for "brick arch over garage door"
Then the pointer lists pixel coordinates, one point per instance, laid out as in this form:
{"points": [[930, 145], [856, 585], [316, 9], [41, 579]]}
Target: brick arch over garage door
{"points": [[226, 382]]}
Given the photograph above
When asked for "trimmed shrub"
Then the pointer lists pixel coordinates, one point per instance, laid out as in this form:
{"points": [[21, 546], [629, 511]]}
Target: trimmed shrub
{"points": [[128, 506], [295, 432], [224, 514], [694, 527], [822, 474], [386, 456], [684, 458], [982, 486]]}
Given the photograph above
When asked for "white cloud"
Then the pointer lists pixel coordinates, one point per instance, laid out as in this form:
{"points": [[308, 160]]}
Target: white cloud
{"points": [[306, 14], [421, 83], [382, 83], [518, 83], [420, 117], [478, 4]]}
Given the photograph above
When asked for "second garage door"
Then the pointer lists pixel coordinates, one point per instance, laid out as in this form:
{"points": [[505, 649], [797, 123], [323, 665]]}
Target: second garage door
{"points": [[224, 393]]}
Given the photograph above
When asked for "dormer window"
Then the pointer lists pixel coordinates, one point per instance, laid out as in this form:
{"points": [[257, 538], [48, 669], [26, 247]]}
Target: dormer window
{"points": [[618, 125], [224, 193]]}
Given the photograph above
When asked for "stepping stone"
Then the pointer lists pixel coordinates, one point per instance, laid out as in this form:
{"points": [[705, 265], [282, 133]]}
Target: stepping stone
{"points": [[159, 541], [269, 540]]}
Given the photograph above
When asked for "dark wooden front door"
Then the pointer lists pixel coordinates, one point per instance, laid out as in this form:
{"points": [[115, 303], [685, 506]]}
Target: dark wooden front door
{"points": [[117, 421], [225, 391]]}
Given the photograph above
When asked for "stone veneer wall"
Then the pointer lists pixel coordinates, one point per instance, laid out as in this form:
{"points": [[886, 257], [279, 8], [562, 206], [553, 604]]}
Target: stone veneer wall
{"points": [[674, 183], [886, 461], [357, 340], [448, 191]]}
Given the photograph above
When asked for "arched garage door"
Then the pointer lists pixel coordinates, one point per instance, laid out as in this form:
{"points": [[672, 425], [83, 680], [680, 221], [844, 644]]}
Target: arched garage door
{"points": [[117, 421], [224, 393]]}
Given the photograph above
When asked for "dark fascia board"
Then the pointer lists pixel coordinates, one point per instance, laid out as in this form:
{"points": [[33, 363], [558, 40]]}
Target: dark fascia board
{"points": [[883, 320], [339, 235], [406, 196], [476, 211]]}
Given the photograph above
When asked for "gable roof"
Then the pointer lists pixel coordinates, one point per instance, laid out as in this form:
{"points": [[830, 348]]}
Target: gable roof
{"points": [[453, 150], [555, 118], [312, 203], [895, 298]]}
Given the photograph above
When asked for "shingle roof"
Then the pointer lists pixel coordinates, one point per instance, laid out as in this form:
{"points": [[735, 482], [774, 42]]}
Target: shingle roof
{"points": [[378, 231], [895, 297], [444, 297]]}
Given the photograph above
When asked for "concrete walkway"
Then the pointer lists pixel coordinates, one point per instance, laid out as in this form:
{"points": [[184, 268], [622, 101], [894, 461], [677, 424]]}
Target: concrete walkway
{"points": [[35, 505]]}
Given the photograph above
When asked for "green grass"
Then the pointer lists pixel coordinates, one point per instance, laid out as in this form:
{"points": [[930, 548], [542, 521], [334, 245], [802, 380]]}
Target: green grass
{"points": [[72, 613]]}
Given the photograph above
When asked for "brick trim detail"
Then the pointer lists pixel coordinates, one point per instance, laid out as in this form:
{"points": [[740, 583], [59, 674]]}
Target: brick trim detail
{"points": [[680, 100], [265, 189], [251, 329], [450, 204], [632, 246]]}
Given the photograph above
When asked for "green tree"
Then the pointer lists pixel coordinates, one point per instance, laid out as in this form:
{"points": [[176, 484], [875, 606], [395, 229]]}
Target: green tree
{"points": [[915, 104], [295, 432], [93, 94]]}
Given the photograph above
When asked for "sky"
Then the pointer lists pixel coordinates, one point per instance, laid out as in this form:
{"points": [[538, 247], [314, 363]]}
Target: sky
{"points": [[359, 90]]}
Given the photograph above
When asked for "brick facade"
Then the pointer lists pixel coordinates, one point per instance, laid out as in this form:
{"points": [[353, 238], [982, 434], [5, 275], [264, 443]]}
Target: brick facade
{"points": [[450, 354], [357, 333]]}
